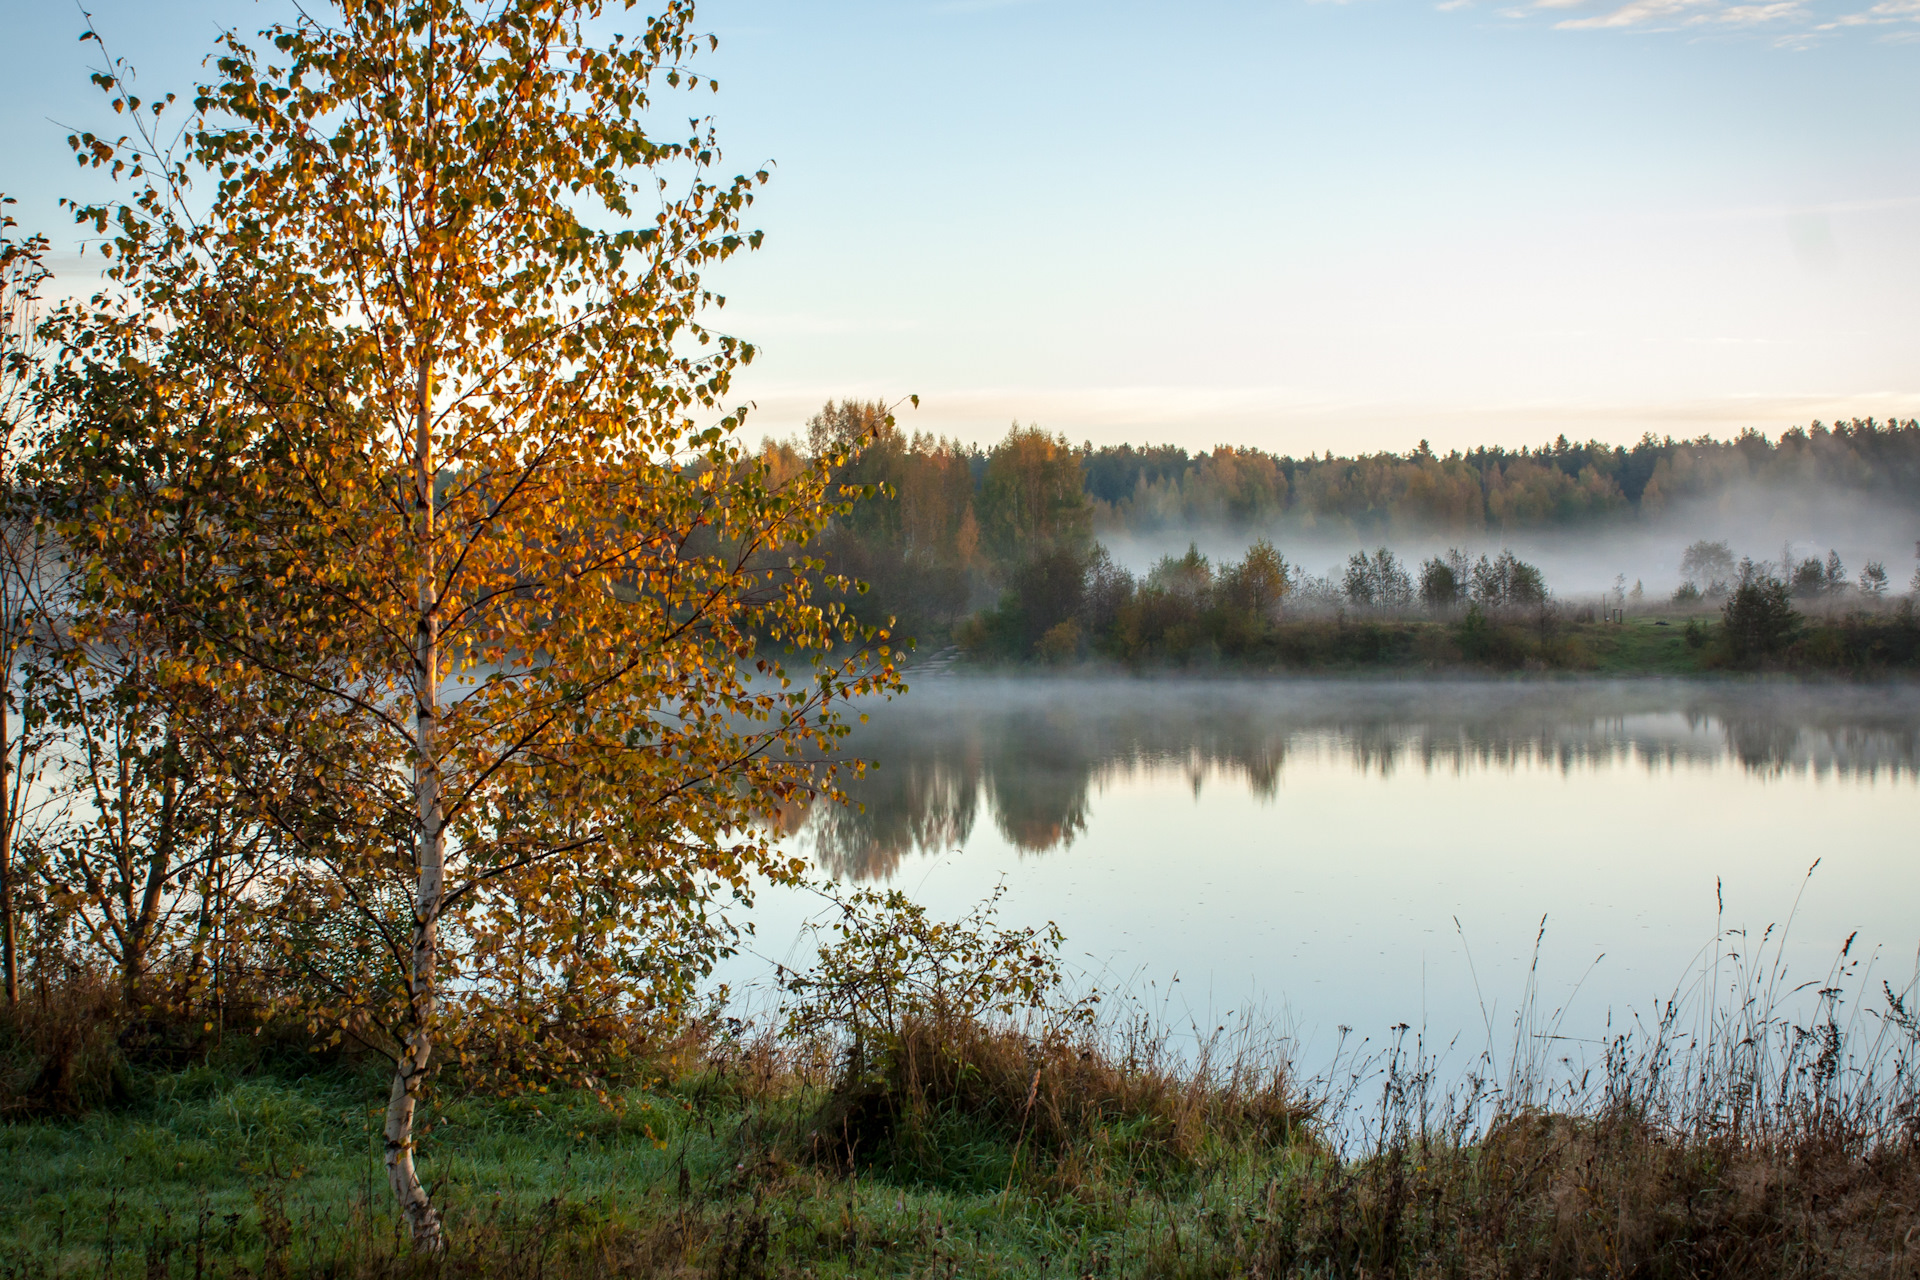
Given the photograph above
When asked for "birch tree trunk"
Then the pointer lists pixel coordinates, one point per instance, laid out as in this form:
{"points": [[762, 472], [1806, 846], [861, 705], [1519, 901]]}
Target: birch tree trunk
{"points": [[410, 1068], [143, 922], [9, 941]]}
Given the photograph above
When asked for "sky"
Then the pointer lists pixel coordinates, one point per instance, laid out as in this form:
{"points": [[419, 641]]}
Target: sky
{"points": [[1300, 226]]}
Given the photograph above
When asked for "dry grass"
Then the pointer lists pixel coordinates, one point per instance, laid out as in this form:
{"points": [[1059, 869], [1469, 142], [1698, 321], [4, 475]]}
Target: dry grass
{"points": [[1753, 1127], [1059, 1101], [60, 1046]]}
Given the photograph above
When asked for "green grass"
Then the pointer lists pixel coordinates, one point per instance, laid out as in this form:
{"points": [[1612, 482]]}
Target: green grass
{"points": [[1640, 646], [207, 1173], [216, 1174], [1858, 644], [1731, 1137]]}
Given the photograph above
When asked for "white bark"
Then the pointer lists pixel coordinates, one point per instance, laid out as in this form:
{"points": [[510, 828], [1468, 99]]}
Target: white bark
{"points": [[9, 954], [410, 1069]]}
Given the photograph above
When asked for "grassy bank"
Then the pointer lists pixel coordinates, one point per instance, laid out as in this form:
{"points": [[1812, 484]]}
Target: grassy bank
{"points": [[1865, 645], [977, 1150], [711, 1173]]}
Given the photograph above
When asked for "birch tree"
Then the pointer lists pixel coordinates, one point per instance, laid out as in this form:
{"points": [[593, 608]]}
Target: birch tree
{"points": [[147, 845], [28, 570], [411, 415]]}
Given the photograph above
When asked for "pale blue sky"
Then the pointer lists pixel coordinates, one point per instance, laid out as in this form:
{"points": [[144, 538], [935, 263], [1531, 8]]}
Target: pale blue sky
{"points": [[1297, 225]]}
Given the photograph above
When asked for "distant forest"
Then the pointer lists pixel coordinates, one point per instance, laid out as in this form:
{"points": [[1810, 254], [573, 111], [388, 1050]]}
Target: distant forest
{"points": [[941, 531]]}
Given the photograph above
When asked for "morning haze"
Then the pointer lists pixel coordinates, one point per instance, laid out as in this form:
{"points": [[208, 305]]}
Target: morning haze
{"points": [[1005, 638]]}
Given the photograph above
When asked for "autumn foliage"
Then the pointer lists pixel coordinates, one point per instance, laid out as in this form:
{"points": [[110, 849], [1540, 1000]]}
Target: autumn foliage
{"points": [[406, 506]]}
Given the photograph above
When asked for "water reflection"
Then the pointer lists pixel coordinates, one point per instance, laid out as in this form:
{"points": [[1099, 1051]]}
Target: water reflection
{"points": [[1032, 755]]}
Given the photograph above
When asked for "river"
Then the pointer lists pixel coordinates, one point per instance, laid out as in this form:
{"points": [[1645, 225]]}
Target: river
{"points": [[1326, 855]]}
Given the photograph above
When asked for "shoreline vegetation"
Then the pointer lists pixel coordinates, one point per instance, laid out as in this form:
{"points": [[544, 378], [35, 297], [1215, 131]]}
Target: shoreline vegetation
{"points": [[936, 1100], [1004, 554], [1550, 641]]}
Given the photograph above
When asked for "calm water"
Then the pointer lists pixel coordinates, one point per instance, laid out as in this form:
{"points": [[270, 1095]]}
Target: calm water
{"points": [[1322, 854]]}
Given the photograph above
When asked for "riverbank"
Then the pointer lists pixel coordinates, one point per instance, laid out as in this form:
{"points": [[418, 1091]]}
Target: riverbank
{"points": [[976, 1149], [218, 1173], [1853, 646]]}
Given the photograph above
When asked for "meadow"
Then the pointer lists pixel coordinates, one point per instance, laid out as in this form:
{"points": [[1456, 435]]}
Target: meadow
{"points": [[1741, 1130]]}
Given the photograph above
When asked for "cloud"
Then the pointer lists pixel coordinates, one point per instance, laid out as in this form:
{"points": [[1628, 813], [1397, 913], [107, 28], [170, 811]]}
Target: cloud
{"points": [[1747, 15], [1797, 24], [1882, 14], [1633, 14], [978, 6]]}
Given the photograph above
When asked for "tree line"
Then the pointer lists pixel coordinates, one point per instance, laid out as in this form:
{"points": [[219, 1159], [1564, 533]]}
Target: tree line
{"points": [[1708, 571], [941, 531], [1487, 489]]}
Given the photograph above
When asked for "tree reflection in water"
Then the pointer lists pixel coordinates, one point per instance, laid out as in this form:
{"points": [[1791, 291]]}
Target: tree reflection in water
{"points": [[1034, 752]]}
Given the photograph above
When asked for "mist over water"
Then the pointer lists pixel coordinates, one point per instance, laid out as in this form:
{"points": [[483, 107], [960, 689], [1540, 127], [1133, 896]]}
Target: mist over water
{"points": [[1303, 849], [1758, 520]]}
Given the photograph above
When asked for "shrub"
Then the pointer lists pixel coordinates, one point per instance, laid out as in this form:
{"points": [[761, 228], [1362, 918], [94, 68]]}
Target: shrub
{"points": [[962, 1061], [1480, 640], [889, 964], [1443, 581], [1758, 620], [905, 1000], [1061, 643]]}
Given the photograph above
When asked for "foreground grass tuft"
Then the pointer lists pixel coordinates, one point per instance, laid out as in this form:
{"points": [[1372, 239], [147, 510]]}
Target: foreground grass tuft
{"points": [[1120, 1163], [1754, 1127]]}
